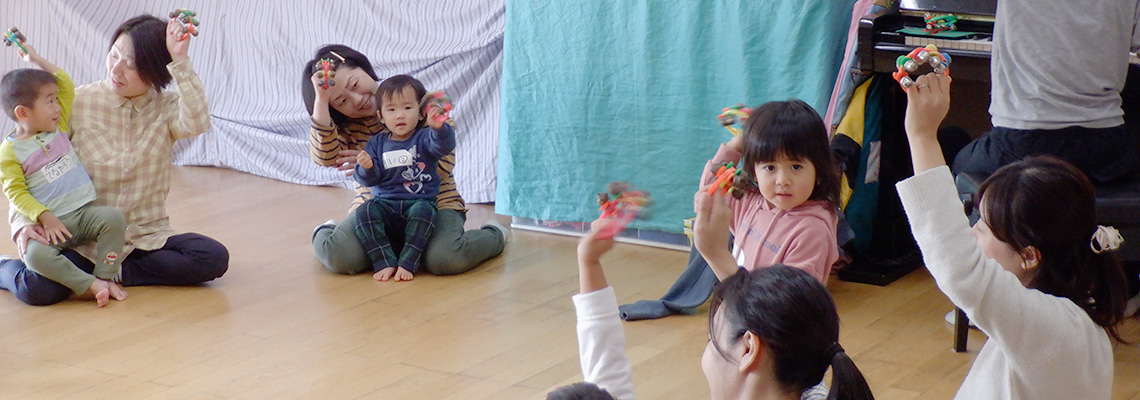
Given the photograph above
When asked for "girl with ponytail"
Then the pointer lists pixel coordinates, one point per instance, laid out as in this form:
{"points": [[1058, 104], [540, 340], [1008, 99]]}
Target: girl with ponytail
{"points": [[1037, 274], [773, 333]]}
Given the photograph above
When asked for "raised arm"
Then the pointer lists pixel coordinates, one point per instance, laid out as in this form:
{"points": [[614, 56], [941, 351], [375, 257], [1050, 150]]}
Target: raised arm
{"points": [[193, 112], [601, 338]]}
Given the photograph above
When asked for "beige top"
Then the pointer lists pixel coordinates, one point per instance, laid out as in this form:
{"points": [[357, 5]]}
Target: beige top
{"points": [[126, 145]]}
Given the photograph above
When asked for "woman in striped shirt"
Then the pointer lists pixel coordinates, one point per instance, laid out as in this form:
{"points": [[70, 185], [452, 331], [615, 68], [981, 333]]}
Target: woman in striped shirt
{"points": [[344, 117]]}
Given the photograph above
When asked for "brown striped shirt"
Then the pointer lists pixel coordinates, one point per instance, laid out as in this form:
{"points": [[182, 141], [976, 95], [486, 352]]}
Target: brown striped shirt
{"points": [[326, 141]]}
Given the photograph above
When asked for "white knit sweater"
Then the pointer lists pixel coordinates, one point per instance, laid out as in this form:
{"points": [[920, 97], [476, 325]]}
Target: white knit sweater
{"points": [[1040, 346]]}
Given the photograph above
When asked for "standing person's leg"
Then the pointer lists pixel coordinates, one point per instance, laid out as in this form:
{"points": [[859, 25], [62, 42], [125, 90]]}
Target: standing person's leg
{"points": [[451, 250], [185, 259], [32, 288], [420, 216], [339, 249]]}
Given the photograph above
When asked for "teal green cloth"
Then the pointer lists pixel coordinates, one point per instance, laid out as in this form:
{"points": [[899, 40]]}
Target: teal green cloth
{"points": [[596, 91]]}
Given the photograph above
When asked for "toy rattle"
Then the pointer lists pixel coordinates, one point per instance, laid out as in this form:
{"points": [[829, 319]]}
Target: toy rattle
{"points": [[437, 99], [930, 55], [730, 115], [14, 36], [939, 23], [188, 20], [726, 180], [622, 204], [325, 69]]}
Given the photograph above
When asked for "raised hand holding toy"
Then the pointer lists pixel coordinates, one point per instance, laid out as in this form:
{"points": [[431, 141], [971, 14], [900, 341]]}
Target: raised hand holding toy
{"points": [[188, 20], [325, 70], [929, 55], [437, 99], [621, 204], [730, 115], [726, 180], [13, 35]]}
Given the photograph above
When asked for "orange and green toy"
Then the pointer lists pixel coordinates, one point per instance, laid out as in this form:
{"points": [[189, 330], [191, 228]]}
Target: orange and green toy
{"points": [[437, 99], [622, 204], [730, 115], [189, 22], [939, 62]]}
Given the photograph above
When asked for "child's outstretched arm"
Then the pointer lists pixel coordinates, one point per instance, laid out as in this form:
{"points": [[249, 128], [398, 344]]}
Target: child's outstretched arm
{"points": [[710, 231], [32, 56], [601, 338], [591, 277], [927, 104]]}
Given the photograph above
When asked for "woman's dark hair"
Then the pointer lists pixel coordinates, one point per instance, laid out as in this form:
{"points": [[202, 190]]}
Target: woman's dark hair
{"points": [[795, 319], [579, 391], [794, 130], [1049, 204], [395, 85], [352, 58], [148, 36]]}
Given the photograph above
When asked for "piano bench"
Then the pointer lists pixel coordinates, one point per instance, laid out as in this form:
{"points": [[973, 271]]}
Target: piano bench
{"points": [[1117, 205]]}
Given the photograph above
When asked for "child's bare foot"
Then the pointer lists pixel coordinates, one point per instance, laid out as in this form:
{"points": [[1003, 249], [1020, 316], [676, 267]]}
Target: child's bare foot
{"points": [[384, 275], [102, 292], [403, 275], [117, 291]]}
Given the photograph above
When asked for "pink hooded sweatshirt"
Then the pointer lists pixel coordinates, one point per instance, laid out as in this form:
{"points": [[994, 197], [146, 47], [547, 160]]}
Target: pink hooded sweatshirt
{"points": [[803, 237]]}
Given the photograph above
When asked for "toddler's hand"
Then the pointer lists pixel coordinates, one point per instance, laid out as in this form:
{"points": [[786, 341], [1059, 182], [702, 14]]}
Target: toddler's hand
{"points": [[364, 160], [435, 117], [591, 248], [927, 103], [55, 231]]}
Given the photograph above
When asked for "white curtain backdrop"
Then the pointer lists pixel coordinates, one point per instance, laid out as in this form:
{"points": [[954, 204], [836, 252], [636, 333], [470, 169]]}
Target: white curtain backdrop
{"points": [[250, 54]]}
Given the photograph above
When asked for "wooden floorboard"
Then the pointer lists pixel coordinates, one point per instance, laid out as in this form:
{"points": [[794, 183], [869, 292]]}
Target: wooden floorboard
{"points": [[278, 325]]}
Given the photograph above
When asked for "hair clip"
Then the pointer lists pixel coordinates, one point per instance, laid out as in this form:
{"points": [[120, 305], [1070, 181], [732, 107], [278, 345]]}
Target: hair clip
{"points": [[337, 55], [929, 55], [14, 36], [188, 20], [1105, 238]]}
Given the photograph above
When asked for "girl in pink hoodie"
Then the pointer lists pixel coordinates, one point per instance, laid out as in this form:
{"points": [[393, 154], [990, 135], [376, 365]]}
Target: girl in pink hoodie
{"points": [[783, 203]]}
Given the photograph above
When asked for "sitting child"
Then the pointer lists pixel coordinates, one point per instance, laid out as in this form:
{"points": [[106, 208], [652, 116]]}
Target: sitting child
{"points": [[403, 177], [44, 180]]}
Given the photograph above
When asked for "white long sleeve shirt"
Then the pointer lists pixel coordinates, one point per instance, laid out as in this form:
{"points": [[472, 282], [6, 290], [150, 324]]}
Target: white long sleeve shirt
{"points": [[601, 343], [1040, 346]]}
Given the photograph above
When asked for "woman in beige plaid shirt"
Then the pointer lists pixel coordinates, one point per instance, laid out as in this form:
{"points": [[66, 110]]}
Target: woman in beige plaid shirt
{"points": [[123, 129]]}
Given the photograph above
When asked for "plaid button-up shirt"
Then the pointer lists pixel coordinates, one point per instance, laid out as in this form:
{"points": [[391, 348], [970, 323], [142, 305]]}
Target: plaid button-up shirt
{"points": [[126, 146]]}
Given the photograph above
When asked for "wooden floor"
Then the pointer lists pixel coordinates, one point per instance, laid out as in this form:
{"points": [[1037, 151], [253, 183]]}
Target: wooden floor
{"points": [[277, 325]]}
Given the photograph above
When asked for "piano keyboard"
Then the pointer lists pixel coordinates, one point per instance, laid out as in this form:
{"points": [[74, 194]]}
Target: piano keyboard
{"points": [[973, 44], [960, 44]]}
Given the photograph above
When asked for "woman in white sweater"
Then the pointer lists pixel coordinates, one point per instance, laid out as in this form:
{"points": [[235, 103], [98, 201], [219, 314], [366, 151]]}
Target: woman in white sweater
{"points": [[773, 332], [1037, 274]]}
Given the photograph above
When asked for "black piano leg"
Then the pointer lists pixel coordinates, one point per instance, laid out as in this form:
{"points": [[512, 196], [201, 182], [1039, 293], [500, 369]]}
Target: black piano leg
{"points": [[961, 330]]}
